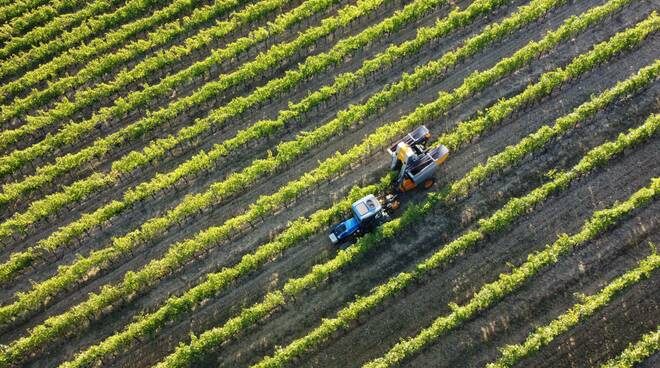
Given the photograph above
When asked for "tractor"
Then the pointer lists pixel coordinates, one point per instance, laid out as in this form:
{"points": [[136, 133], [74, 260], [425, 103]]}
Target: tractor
{"points": [[368, 214], [415, 165]]}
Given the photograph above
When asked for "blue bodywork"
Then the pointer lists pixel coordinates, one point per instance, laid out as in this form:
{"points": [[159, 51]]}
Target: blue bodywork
{"points": [[344, 230], [363, 210]]}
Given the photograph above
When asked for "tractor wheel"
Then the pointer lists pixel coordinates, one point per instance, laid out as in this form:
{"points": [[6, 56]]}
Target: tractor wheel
{"points": [[428, 183]]}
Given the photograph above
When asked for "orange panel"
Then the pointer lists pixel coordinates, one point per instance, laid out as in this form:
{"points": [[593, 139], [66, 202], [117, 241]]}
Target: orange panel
{"points": [[407, 185], [442, 159]]}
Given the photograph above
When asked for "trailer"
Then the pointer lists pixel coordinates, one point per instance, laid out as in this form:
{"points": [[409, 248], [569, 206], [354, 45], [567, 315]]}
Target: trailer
{"points": [[415, 163]]}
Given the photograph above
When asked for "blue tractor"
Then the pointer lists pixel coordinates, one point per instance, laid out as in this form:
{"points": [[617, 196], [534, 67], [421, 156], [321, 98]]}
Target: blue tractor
{"points": [[415, 165], [368, 213]]}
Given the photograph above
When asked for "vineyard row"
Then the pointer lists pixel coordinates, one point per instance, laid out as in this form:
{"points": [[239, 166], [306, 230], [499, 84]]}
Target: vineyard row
{"points": [[12, 9], [15, 63], [205, 161], [265, 205], [508, 283], [104, 63], [542, 336], [180, 253], [37, 16], [298, 231], [513, 209], [636, 353], [261, 64]]}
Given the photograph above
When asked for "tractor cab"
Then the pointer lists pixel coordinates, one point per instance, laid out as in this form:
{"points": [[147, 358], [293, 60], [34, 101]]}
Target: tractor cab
{"points": [[368, 212]]}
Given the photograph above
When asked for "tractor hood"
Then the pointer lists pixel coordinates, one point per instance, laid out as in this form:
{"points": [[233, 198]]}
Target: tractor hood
{"points": [[344, 229]]}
